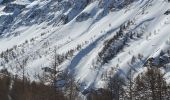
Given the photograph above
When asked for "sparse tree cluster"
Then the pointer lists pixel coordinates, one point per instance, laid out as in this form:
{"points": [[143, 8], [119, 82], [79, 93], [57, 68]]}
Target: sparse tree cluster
{"points": [[148, 85], [11, 89], [55, 82], [114, 45]]}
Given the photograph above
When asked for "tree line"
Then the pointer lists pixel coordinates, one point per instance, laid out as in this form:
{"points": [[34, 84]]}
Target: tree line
{"points": [[56, 84], [148, 85]]}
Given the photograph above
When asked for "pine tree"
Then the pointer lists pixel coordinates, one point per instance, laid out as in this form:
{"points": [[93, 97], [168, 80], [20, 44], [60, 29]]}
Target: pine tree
{"points": [[151, 85], [115, 86]]}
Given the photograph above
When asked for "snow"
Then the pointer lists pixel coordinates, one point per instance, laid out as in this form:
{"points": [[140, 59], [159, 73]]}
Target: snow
{"points": [[148, 17], [31, 5], [1, 1], [21, 2]]}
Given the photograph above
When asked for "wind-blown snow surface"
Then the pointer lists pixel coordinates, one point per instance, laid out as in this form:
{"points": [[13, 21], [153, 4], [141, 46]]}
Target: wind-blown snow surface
{"points": [[66, 24]]}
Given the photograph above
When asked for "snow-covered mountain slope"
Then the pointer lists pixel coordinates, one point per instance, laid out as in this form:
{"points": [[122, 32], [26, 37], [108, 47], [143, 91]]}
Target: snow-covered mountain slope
{"points": [[94, 38]]}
